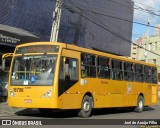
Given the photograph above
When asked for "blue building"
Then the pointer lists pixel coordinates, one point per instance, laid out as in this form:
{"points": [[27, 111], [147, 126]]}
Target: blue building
{"points": [[100, 25]]}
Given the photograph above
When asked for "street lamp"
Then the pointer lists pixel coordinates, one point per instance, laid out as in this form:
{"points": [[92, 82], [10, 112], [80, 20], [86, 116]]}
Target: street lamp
{"points": [[147, 41]]}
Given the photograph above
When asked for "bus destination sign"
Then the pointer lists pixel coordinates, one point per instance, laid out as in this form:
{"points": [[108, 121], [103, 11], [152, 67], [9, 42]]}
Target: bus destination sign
{"points": [[38, 49]]}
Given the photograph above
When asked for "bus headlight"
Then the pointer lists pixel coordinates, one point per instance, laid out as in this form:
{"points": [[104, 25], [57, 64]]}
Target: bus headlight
{"points": [[47, 94], [12, 93]]}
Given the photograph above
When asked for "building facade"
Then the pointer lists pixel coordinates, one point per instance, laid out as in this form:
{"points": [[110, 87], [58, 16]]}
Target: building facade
{"points": [[100, 25], [152, 54]]}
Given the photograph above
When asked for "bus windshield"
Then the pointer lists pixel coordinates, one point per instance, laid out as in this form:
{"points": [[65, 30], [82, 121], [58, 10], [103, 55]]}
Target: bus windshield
{"points": [[33, 70]]}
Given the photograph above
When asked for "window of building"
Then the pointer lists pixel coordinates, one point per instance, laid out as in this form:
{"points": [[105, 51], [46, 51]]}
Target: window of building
{"points": [[103, 64], [150, 46], [117, 72], [88, 65], [155, 46], [145, 45], [154, 61]]}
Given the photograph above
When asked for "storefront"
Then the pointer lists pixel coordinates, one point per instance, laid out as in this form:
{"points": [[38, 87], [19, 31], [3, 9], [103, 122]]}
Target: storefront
{"points": [[9, 38]]}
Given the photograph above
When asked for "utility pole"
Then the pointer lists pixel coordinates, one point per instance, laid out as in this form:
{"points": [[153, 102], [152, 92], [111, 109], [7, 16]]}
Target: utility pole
{"points": [[56, 21], [147, 41]]}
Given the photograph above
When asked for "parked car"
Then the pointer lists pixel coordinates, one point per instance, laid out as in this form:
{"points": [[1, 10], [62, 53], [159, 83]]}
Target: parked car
{"points": [[3, 91]]}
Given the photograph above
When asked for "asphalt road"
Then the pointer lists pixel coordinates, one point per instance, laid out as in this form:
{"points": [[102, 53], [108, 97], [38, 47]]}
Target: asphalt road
{"points": [[149, 113]]}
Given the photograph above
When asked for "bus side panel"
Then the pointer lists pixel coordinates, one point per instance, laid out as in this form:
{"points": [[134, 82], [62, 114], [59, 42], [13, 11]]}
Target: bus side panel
{"points": [[70, 101], [114, 94], [114, 100], [149, 92], [154, 94]]}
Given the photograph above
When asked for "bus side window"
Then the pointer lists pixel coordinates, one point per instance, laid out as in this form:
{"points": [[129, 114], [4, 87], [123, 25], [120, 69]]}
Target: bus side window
{"points": [[103, 69], [147, 74], [88, 65], [154, 75], [139, 76], [128, 71], [117, 73], [71, 69], [68, 69]]}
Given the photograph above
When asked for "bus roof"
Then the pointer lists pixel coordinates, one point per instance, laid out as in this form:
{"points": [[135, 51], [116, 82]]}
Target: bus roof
{"points": [[85, 50]]}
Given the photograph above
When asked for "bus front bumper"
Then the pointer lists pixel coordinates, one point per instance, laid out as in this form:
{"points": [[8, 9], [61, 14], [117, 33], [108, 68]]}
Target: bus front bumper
{"points": [[24, 102]]}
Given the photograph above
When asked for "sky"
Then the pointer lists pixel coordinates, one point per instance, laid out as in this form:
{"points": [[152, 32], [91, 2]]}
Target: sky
{"points": [[144, 11]]}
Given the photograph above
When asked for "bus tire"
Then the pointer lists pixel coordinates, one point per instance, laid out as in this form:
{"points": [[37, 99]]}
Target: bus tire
{"points": [[140, 104], [45, 110], [86, 107]]}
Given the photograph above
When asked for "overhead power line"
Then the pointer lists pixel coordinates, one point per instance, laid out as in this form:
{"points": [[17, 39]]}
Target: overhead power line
{"points": [[147, 6], [102, 14], [101, 26], [148, 10]]}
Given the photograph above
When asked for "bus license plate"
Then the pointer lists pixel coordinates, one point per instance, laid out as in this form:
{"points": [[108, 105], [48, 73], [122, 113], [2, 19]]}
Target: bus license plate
{"points": [[27, 101]]}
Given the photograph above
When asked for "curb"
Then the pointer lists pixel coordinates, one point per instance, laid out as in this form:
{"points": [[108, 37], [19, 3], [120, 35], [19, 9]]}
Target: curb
{"points": [[7, 115]]}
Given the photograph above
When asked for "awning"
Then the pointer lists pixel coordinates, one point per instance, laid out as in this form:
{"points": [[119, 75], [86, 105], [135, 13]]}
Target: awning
{"points": [[11, 36]]}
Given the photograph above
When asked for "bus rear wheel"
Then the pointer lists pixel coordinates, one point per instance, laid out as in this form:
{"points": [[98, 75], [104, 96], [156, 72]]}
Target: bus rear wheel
{"points": [[86, 107], [140, 104]]}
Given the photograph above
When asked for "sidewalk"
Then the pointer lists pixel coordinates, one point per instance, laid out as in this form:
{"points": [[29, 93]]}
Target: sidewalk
{"points": [[6, 110]]}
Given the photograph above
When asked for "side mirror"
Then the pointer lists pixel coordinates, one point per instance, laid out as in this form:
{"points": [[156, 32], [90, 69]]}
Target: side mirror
{"points": [[6, 61]]}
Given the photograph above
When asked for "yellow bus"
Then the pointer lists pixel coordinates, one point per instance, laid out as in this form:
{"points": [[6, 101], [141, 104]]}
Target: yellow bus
{"points": [[49, 75]]}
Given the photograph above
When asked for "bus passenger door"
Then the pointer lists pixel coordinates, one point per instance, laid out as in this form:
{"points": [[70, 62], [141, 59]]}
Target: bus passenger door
{"points": [[68, 78]]}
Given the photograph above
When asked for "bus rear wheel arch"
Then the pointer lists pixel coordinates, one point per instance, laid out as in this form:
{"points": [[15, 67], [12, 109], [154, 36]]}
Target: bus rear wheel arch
{"points": [[140, 104], [86, 106]]}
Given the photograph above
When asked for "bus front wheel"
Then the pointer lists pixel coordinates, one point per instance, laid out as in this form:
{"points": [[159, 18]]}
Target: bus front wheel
{"points": [[86, 107], [140, 104]]}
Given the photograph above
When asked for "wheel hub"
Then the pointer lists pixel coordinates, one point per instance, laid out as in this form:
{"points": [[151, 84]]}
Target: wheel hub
{"points": [[140, 104], [86, 106]]}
